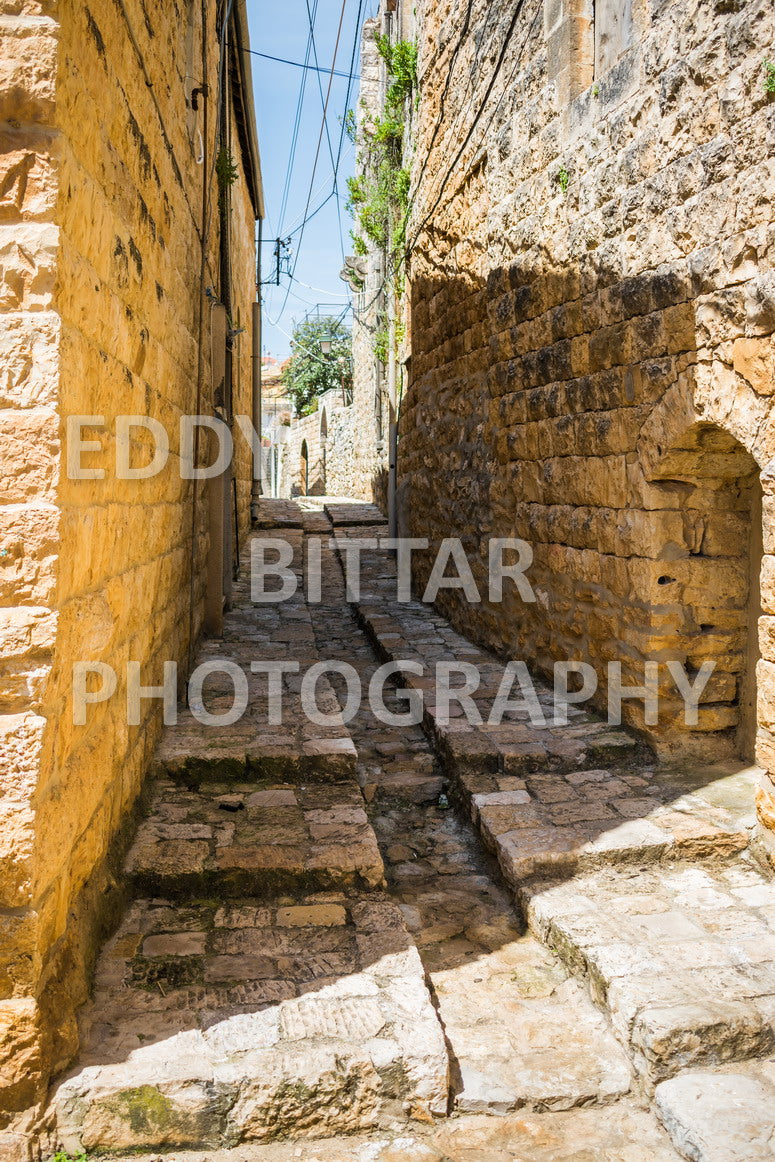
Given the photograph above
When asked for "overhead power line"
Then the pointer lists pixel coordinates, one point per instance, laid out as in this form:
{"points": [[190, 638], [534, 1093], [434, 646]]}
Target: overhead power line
{"points": [[311, 19], [298, 65], [319, 144], [295, 134]]}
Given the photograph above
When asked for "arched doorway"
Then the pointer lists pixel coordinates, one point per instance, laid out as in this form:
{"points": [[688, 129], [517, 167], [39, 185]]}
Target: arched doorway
{"points": [[304, 469], [707, 593]]}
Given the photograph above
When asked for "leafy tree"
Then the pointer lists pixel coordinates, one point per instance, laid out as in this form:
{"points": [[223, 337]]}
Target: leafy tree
{"points": [[309, 372]]}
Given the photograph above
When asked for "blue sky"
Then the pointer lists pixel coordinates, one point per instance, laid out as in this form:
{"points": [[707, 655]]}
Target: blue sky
{"points": [[282, 30]]}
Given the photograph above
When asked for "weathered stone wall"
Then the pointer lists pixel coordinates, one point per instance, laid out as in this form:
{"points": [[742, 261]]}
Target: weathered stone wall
{"points": [[370, 405], [302, 459], [592, 309], [100, 221], [342, 459]]}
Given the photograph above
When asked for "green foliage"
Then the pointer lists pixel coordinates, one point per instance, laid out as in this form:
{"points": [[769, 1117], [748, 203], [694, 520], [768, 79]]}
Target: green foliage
{"points": [[401, 61], [225, 169], [563, 180], [379, 195], [309, 372], [361, 249], [769, 77], [350, 125], [382, 337], [61, 1156]]}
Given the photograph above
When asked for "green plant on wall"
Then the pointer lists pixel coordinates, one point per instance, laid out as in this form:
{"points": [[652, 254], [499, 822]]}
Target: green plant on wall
{"points": [[769, 77], [61, 1156], [225, 169], [563, 180], [379, 194]]}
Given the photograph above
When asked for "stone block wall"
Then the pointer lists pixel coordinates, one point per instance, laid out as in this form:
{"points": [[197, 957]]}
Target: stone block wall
{"points": [[101, 209], [342, 454], [592, 303], [370, 403], [303, 470]]}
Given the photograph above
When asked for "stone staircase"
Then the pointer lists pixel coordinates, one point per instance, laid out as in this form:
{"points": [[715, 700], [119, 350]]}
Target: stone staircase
{"points": [[318, 947], [262, 983], [638, 875]]}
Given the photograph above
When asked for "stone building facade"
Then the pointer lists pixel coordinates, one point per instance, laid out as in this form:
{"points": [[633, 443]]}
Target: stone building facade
{"points": [[362, 463], [319, 456], [590, 311], [114, 221]]}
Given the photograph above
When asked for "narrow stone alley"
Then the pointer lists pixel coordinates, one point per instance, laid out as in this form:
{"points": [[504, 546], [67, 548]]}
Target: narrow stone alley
{"points": [[369, 942]]}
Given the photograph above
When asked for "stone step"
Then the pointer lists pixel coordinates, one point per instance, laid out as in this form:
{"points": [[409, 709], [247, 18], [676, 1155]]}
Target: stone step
{"points": [[721, 1115], [513, 747], [681, 957], [549, 823], [619, 1133], [237, 839], [523, 1034], [219, 1023], [344, 514], [190, 753]]}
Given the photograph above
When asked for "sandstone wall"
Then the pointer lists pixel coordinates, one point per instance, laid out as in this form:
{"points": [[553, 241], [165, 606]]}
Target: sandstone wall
{"points": [[370, 405], [592, 308], [342, 447], [100, 220], [322, 454], [302, 459]]}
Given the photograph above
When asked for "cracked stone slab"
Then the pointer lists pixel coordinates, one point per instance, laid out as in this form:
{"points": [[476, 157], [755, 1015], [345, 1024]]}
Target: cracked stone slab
{"points": [[239, 839], [682, 957], [721, 1115], [214, 1024], [526, 1036]]}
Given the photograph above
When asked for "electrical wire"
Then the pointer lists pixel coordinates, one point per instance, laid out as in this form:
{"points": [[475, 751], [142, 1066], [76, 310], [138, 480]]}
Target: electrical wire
{"points": [[341, 154], [297, 64], [300, 221], [325, 122], [320, 290], [366, 309], [320, 142], [482, 106], [294, 138]]}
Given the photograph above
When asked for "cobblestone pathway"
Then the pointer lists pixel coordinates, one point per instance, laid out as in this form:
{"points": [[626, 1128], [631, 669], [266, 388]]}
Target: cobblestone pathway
{"points": [[445, 942]]}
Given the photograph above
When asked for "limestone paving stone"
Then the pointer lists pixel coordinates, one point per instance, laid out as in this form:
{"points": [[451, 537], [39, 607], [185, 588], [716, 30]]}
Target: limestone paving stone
{"points": [[524, 1035], [682, 957], [215, 1024], [346, 513], [413, 631], [191, 751], [722, 1115], [261, 1016]]}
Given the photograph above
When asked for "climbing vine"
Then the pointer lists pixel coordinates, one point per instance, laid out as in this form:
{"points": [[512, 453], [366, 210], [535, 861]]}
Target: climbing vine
{"points": [[379, 194]]}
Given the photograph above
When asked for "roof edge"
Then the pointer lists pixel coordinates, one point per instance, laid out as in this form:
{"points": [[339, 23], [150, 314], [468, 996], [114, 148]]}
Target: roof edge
{"points": [[245, 82]]}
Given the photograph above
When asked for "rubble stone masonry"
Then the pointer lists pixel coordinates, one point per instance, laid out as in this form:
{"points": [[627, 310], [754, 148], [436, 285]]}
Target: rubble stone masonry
{"points": [[100, 217], [592, 307]]}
